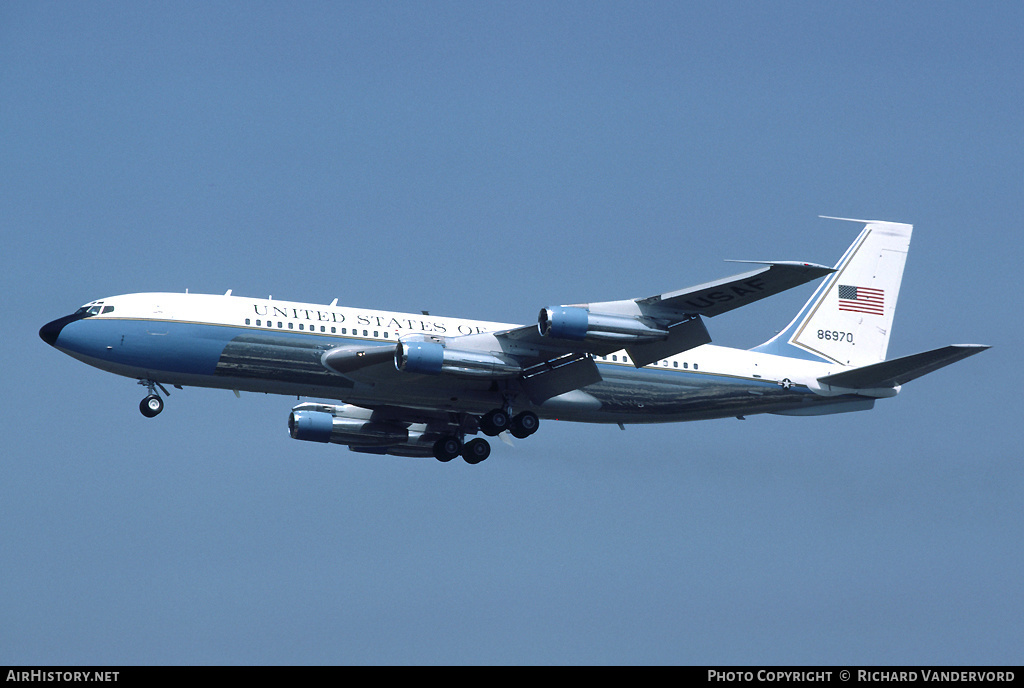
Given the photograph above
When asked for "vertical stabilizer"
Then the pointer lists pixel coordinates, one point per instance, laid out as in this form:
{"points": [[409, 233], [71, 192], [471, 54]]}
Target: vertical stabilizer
{"points": [[849, 318]]}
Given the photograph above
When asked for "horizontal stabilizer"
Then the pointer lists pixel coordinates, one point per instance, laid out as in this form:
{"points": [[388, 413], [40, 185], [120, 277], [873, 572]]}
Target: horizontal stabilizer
{"points": [[901, 370]]}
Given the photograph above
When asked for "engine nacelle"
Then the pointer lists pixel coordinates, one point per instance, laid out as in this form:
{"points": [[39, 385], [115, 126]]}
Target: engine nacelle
{"points": [[355, 426], [320, 426], [431, 358], [573, 322]]}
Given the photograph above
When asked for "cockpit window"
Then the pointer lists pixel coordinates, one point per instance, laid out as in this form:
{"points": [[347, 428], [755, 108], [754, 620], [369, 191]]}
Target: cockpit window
{"points": [[94, 309]]}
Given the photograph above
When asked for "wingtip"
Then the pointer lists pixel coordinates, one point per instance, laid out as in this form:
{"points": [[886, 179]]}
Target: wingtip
{"points": [[789, 263], [845, 219], [865, 222]]}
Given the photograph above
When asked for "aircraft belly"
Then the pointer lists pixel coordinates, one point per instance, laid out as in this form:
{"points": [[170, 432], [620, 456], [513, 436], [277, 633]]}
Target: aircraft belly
{"points": [[654, 396], [294, 360], [292, 365]]}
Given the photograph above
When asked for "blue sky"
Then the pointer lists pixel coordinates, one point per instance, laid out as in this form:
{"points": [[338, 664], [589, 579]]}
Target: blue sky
{"points": [[484, 160]]}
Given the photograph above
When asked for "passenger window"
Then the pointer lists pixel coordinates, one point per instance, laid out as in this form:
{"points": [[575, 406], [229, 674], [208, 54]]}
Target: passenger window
{"points": [[675, 364], [247, 321]]}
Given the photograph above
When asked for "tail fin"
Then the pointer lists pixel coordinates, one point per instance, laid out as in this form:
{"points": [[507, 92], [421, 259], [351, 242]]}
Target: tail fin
{"points": [[849, 318]]}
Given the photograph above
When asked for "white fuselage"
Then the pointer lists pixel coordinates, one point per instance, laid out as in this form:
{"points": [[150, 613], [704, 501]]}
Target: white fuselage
{"points": [[264, 345]]}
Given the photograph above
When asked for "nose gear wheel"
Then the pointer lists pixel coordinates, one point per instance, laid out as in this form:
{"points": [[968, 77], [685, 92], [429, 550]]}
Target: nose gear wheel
{"points": [[152, 405]]}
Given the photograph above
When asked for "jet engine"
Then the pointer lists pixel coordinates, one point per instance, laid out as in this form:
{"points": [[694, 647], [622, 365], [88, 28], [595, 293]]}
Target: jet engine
{"points": [[573, 322], [355, 427], [319, 426], [432, 358]]}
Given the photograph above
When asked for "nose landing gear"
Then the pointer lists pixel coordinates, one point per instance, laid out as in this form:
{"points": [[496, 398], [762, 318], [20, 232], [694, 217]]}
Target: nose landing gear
{"points": [[152, 405]]}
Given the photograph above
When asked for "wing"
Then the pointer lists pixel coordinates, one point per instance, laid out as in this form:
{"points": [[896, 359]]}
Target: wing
{"points": [[653, 327], [555, 355], [557, 352], [715, 298]]}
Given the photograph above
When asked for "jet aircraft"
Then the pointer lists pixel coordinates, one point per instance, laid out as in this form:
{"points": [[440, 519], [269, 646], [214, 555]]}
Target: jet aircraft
{"points": [[421, 386]]}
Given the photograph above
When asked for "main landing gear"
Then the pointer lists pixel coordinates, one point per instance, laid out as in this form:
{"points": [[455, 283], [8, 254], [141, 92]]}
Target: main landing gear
{"points": [[492, 423], [152, 405], [450, 446], [524, 424]]}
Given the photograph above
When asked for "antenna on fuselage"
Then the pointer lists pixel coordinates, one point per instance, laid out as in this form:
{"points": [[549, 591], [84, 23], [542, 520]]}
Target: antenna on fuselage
{"points": [[334, 302]]}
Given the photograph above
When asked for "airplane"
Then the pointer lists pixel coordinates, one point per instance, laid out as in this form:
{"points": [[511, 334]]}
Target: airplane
{"points": [[420, 385]]}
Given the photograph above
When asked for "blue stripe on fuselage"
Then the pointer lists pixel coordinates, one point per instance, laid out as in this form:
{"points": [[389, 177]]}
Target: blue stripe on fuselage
{"points": [[170, 350], [150, 345]]}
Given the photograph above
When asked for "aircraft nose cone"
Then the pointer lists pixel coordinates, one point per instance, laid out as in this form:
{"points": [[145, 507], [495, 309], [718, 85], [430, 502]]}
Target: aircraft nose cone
{"points": [[50, 331]]}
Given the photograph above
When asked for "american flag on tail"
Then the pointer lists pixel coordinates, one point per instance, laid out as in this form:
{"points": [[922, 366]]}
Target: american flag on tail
{"points": [[861, 299]]}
